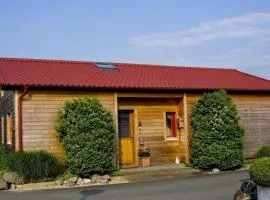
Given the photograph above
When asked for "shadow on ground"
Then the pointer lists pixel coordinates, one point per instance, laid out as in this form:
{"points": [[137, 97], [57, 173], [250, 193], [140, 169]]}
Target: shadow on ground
{"points": [[88, 193]]}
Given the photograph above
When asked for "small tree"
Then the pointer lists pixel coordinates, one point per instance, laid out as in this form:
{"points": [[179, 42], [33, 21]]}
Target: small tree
{"points": [[217, 138], [87, 132]]}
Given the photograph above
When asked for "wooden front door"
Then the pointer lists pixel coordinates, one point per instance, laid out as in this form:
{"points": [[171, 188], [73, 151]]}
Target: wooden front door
{"points": [[126, 137]]}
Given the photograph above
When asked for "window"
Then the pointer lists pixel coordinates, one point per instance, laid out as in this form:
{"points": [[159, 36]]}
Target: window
{"points": [[125, 124], [9, 128], [106, 66], [171, 131]]}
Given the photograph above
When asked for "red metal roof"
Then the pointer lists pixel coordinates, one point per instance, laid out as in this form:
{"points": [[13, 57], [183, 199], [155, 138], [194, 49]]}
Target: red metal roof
{"points": [[77, 74]]}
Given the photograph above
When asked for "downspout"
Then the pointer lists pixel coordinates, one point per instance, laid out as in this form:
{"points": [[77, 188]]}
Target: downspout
{"points": [[20, 125]]}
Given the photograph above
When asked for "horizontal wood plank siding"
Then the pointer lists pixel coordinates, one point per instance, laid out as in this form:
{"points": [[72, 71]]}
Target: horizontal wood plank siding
{"points": [[191, 100], [254, 111], [39, 115], [40, 111]]}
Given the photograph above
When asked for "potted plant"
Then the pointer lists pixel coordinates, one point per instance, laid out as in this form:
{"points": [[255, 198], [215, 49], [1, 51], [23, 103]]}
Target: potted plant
{"points": [[144, 155]]}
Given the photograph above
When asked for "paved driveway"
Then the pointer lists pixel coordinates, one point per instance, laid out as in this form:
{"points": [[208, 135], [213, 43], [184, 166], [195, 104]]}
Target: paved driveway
{"points": [[215, 187]]}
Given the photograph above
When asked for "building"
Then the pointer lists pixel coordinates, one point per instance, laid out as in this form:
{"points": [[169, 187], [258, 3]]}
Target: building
{"points": [[151, 104]]}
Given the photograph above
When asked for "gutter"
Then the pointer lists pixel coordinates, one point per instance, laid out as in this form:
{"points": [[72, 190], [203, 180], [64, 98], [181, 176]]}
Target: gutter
{"points": [[20, 125]]}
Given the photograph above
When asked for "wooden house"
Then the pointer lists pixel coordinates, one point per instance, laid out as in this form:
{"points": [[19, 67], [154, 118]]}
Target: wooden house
{"points": [[151, 104]]}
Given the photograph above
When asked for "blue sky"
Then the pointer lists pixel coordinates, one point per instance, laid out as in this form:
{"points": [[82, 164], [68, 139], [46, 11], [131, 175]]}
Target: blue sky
{"points": [[229, 33]]}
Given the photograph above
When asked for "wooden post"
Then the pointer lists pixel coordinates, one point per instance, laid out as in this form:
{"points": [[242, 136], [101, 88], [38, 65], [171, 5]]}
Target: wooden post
{"points": [[186, 128], [116, 128], [16, 99]]}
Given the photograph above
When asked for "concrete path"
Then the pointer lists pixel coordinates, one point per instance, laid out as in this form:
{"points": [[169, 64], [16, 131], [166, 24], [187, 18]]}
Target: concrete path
{"points": [[212, 187], [157, 173]]}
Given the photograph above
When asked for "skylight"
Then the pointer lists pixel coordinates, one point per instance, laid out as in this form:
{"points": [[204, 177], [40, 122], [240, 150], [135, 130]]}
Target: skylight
{"points": [[106, 66]]}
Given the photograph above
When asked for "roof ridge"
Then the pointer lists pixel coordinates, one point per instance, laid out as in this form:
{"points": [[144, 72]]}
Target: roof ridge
{"points": [[172, 66], [117, 63], [42, 60]]}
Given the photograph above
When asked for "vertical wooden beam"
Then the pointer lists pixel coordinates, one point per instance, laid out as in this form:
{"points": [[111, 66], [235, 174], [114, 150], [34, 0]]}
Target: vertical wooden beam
{"points": [[136, 137], [2, 119], [116, 129], [186, 128], [16, 97]]}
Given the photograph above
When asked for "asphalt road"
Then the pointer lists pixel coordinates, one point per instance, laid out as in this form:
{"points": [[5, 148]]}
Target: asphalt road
{"points": [[214, 187]]}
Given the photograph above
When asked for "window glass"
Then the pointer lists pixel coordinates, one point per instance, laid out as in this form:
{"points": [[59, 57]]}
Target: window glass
{"points": [[106, 66], [170, 124], [125, 123]]}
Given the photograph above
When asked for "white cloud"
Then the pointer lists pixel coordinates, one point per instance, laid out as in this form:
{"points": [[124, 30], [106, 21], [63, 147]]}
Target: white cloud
{"points": [[254, 25], [240, 42], [252, 55]]}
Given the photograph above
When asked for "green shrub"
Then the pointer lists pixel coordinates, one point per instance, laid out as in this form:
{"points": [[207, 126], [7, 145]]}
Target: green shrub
{"points": [[67, 175], [3, 165], [2, 157], [33, 166], [260, 171], [87, 132], [263, 152], [2, 150], [217, 138]]}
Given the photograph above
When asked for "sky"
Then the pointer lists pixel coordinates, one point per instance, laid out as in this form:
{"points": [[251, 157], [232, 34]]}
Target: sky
{"points": [[207, 33]]}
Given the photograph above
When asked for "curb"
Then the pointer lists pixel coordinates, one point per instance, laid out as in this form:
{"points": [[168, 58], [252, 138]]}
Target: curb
{"points": [[117, 180]]}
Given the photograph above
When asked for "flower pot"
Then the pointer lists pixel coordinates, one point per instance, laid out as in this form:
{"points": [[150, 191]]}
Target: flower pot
{"points": [[144, 162]]}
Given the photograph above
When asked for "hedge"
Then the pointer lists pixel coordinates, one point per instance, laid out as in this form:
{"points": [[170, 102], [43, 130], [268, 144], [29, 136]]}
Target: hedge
{"points": [[87, 132], [217, 138], [32, 166], [260, 171]]}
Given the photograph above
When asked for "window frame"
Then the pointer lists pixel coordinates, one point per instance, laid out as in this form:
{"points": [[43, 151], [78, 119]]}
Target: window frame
{"points": [[9, 128], [175, 132], [2, 93]]}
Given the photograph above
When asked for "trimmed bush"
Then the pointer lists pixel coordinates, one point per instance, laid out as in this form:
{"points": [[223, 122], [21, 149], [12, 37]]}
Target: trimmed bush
{"points": [[32, 166], [259, 172], [87, 132], [217, 138], [263, 152]]}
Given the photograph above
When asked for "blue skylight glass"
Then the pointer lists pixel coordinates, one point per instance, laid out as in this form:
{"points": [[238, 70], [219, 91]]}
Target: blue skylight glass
{"points": [[106, 66]]}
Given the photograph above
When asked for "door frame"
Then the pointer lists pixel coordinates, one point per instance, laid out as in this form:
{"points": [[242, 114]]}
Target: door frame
{"points": [[135, 138]]}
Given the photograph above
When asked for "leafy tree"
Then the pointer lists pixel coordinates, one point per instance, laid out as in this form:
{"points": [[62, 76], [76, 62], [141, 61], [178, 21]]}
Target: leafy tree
{"points": [[217, 138]]}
